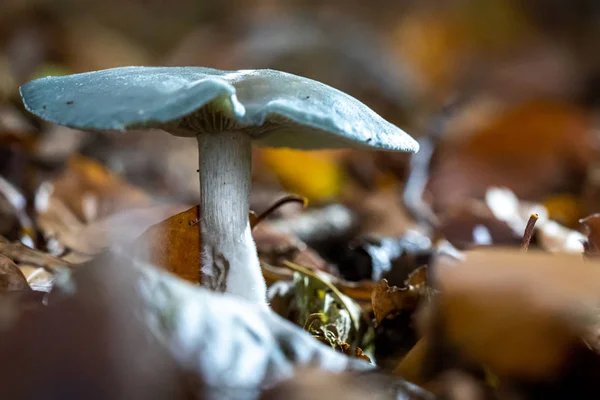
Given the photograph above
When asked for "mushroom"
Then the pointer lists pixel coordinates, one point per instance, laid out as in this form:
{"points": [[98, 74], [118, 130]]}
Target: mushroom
{"points": [[226, 111]]}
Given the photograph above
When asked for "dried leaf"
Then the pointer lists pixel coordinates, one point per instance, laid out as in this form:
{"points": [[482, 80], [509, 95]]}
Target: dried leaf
{"points": [[519, 314], [327, 333], [314, 383], [411, 366], [549, 145], [76, 242], [392, 300], [592, 244], [19, 253], [174, 245], [472, 223], [11, 277], [156, 333], [39, 279], [274, 247], [315, 295], [92, 192]]}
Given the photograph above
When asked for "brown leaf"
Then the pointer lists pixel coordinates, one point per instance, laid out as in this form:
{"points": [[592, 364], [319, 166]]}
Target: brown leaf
{"points": [[411, 366], [273, 247], [390, 300], [11, 277], [174, 245], [472, 223], [518, 314], [549, 235], [592, 244], [91, 191], [535, 149], [132, 331], [19, 253]]}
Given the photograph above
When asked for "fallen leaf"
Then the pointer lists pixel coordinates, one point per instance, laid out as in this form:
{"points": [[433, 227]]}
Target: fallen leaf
{"points": [[38, 278], [327, 333], [536, 149], [472, 223], [11, 277], [19, 253], [77, 242], [133, 331], [520, 315], [174, 245], [411, 365], [314, 383], [392, 300], [273, 247], [592, 244], [92, 192]]}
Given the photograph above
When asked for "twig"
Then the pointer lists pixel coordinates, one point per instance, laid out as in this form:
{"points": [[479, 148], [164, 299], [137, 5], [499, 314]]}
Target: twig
{"points": [[292, 198], [528, 234]]}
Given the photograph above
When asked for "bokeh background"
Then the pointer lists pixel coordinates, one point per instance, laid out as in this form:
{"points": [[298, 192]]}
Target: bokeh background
{"points": [[503, 92], [502, 95]]}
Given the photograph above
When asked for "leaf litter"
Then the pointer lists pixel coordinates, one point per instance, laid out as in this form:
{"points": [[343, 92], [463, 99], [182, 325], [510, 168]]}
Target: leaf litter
{"points": [[403, 271]]}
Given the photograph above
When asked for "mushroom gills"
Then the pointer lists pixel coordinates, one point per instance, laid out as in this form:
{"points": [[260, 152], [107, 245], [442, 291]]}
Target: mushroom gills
{"points": [[229, 261]]}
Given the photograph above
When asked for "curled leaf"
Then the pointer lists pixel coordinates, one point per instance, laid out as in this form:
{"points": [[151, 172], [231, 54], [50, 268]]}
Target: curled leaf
{"points": [[327, 333], [392, 300]]}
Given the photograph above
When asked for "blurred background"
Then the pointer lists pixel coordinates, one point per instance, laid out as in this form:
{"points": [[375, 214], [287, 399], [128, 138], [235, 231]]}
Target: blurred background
{"points": [[502, 95], [499, 93]]}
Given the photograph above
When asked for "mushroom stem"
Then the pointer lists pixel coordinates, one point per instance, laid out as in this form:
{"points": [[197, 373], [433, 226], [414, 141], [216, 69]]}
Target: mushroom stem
{"points": [[229, 259]]}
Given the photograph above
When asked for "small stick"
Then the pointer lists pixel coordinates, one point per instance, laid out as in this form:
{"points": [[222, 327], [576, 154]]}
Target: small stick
{"points": [[528, 234], [292, 198]]}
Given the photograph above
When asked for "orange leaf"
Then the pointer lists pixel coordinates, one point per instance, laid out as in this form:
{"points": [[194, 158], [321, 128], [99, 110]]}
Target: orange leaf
{"points": [[174, 245]]}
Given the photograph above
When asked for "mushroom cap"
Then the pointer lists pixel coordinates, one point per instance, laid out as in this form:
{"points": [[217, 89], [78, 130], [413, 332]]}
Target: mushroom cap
{"points": [[276, 108]]}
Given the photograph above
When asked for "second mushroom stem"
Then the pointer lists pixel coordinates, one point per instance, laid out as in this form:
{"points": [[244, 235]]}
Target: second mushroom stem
{"points": [[229, 262]]}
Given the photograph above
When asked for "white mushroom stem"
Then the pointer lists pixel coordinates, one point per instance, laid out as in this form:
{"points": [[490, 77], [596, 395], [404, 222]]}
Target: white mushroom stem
{"points": [[229, 259]]}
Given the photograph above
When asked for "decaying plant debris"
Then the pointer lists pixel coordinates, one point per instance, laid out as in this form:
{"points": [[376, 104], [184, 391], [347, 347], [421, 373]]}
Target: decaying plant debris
{"points": [[469, 271]]}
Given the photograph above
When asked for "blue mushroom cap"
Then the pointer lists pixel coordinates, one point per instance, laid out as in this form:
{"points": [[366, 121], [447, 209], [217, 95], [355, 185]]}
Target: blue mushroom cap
{"points": [[276, 108]]}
